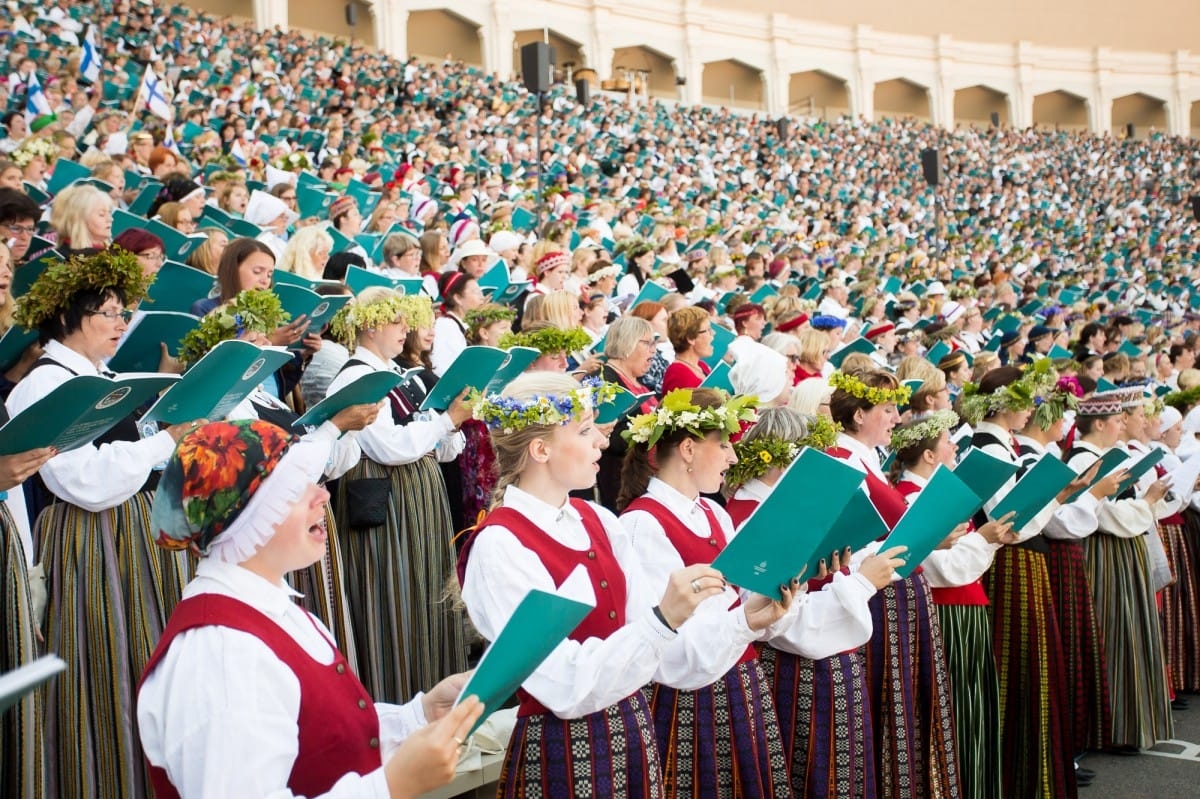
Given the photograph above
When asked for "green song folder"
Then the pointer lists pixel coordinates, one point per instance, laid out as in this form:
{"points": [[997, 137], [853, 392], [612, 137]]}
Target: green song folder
{"points": [[859, 344], [858, 525], [945, 503], [298, 301], [370, 388], [139, 351], [539, 624], [79, 411], [983, 473], [718, 378], [651, 292], [218, 382], [722, 338], [358, 279], [1034, 491], [773, 545], [488, 369], [13, 344], [176, 287], [1109, 462], [1143, 465], [623, 403]]}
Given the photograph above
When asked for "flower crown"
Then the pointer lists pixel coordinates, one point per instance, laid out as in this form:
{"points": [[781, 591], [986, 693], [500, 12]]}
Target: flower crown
{"points": [[479, 318], [355, 317], [677, 412], [507, 415], [1036, 381], [758, 456], [548, 340], [822, 432], [1054, 404], [876, 396], [32, 148], [923, 428], [51, 293], [256, 310], [1183, 400]]}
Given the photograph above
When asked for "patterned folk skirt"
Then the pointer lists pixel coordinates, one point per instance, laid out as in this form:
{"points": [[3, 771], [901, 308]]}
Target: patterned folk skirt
{"points": [[408, 638], [610, 754], [721, 741], [825, 723], [1036, 746], [22, 733], [1119, 569], [1085, 676], [911, 708], [323, 586], [967, 638], [110, 591], [1181, 606]]}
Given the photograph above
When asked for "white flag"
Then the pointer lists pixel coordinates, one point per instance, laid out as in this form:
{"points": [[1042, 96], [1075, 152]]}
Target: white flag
{"points": [[153, 96], [36, 104], [89, 64]]}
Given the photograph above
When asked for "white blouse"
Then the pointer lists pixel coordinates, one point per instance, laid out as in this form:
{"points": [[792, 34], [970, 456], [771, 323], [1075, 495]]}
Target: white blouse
{"points": [[964, 562], [1072, 521], [1005, 451], [344, 453], [448, 343], [1124, 518]]}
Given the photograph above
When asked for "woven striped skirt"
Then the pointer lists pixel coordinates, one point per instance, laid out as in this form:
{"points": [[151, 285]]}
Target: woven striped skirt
{"points": [[824, 722], [110, 591], [1181, 608], [1119, 569], [408, 638], [967, 639], [1085, 676], [911, 709], [323, 586], [22, 734], [721, 741], [1035, 744], [610, 753]]}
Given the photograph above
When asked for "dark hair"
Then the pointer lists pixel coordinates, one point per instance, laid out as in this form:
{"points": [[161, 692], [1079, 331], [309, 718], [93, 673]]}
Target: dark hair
{"points": [[340, 262], [413, 354], [640, 465], [235, 252], [843, 405], [997, 378], [82, 304], [451, 286], [16, 205]]}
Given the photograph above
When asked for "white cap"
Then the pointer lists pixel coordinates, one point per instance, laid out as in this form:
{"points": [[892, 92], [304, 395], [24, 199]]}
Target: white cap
{"points": [[264, 208], [935, 288], [952, 310]]}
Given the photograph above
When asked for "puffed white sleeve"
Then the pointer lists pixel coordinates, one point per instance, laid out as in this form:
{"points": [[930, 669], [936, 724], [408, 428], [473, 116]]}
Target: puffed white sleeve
{"points": [[961, 564], [832, 620], [344, 453]]}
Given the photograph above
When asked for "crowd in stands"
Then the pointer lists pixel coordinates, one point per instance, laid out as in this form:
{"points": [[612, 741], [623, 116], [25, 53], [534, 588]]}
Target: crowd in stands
{"points": [[1041, 303]]}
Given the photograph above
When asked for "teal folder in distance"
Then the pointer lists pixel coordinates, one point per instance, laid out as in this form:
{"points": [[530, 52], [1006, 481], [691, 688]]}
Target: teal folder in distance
{"points": [[722, 338], [139, 351], [859, 344], [983, 473], [488, 369], [358, 279], [25, 274], [786, 531], [79, 411], [539, 624], [651, 292], [176, 287], [1143, 465], [370, 388], [1034, 491], [1109, 462], [939, 350], [512, 292], [319, 308], [718, 378], [622, 403], [764, 291], [281, 278], [218, 382], [945, 503], [13, 344], [495, 278]]}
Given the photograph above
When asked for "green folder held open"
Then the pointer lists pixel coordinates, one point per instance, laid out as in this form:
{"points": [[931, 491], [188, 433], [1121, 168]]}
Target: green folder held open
{"points": [[539, 624], [1109, 462], [857, 525], [722, 338], [218, 382], [176, 287], [1143, 465], [622, 403], [650, 292], [718, 378], [319, 308], [983, 473], [79, 411], [370, 388], [1034, 491], [485, 368], [945, 503], [859, 344], [13, 344], [789, 528], [140, 350]]}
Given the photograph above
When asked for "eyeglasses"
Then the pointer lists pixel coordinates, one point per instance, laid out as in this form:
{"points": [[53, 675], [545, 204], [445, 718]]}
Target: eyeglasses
{"points": [[113, 316], [648, 343], [154, 257], [21, 230], [794, 358]]}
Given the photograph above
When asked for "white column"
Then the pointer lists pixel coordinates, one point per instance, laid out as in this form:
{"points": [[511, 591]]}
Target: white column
{"points": [[500, 54], [270, 13], [1179, 107], [862, 86], [1100, 112], [941, 93], [391, 27], [1020, 109], [776, 78]]}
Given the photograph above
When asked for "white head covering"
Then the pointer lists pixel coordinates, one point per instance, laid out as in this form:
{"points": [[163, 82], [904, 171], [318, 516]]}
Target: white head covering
{"points": [[759, 370]]}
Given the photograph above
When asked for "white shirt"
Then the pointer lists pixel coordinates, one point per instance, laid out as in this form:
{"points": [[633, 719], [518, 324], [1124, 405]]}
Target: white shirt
{"points": [[391, 444], [92, 477], [1170, 504], [1072, 521], [964, 562], [1124, 518], [345, 452], [220, 712], [448, 343], [1005, 451]]}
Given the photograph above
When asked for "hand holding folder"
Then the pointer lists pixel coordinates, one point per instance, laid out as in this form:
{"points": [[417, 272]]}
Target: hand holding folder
{"points": [[945, 503]]}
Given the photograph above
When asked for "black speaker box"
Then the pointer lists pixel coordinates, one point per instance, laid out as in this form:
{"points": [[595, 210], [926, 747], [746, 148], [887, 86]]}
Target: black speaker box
{"points": [[537, 58], [930, 166], [1129, 130], [782, 126], [351, 14], [1195, 198], [995, 119], [583, 92]]}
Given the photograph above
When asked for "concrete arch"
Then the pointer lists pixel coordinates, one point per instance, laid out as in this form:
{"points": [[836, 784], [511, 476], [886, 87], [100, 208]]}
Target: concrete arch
{"points": [[734, 84], [1061, 109], [901, 97], [566, 50], [974, 105], [1140, 110], [434, 33], [819, 94], [639, 63]]}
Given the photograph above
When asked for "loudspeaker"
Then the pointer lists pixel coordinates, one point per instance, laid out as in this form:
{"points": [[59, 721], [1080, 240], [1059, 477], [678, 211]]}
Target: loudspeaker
{"points": [[781, 126], [583, 92], [995, 119], [351, 14], [537, 59], [1195, 198], [930, 166], [1129, 130]]}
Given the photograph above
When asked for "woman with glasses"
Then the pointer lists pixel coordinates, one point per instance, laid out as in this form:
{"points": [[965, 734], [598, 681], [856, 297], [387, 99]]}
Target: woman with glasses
{"points": [[177, 216], [109, 589]]}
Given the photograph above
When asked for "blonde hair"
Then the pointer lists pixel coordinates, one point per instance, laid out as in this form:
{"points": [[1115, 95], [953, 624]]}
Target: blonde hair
{"points": [[560, 308], [204, 257], [297, 255], [813, 344], [808, 396], [512, 449], [69, 212]]}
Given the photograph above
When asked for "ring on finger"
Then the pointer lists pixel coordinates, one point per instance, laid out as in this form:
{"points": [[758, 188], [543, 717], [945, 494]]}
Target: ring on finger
{"points": [[460, 741], [696, 586]]}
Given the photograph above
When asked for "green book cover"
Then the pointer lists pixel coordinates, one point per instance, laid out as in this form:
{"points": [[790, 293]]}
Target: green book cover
{"points": [[650, 292], [993, 344], [1007, 324], [358, 279], [718, 378], [1143, 465], [282, 278], [770, 549], [319, 308], [539, 624], [983, 473], [495, 278], [623, 403], [1058, 353], [218, 382], [79, 411], [1104, 384], [859, 344], [25, 274], [1130, 349], [368, 389], [858, 525], [945, 503], [488, 369], [512, 292], [764, 291], [1110, 461], [13, 344], [1030, 308], [939, 350], [139, 350], [176, 287], [993, 313], [1034, 491], [722, 338]]}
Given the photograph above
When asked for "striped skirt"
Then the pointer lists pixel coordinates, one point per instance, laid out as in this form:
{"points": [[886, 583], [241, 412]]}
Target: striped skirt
{"points": [[408, 638], [22, 734], [967, 638], [824, 722], [323, 586], [610, 753], [1119, 569], [1085, 676], [1036, 747], [911, 709], [1181, 608], [110, 591], [721, 741]]}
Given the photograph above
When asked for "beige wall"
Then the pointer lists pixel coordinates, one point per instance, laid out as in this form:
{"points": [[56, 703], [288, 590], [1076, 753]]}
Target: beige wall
{"points": [[226, 8], [726, 79], [433, 34], [824, 95], [1060, 110], [901, 98], [661, 70], [1152, 25], [975, 105], [330, 18]]}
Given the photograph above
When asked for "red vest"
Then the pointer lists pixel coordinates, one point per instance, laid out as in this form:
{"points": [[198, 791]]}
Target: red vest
{"points": [[339, 729], [607, 577], [691, 548], [970, 594], [1174, 518]]}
